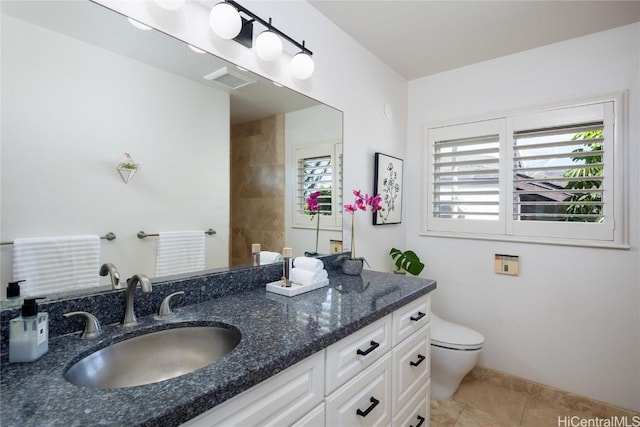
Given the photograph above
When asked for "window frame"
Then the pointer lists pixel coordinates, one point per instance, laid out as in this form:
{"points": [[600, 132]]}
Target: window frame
{"points": [[613, 233], [332, 222], [462, 131]]}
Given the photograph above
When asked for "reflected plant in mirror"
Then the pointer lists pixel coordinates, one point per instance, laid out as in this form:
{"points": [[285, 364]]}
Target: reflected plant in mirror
{"points": [[313, 209]]}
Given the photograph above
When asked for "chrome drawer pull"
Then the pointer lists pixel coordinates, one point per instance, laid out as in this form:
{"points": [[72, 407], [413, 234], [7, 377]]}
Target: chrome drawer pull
{"points": [[420, 360], [374, 403], [374, 345], [418, 317], [420, 421]]}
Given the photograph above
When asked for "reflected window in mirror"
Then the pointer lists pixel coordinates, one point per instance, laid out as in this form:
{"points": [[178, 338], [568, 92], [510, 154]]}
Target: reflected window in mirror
{"points": [[319, 170]]}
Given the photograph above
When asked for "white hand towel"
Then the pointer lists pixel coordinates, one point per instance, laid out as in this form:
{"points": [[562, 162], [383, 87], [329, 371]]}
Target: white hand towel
{"points": [[308, 263], [267, 257], [306, 277], [54, 264], [180, 252]]}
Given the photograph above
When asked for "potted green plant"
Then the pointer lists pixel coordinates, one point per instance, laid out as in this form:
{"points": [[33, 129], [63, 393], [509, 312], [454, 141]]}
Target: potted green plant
{"points": [[129, 165], [127, 168], [407, 261]]}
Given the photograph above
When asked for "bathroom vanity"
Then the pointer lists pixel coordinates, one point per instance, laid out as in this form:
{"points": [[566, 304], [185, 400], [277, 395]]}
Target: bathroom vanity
{"points": [[375, 376], [356, 350]]}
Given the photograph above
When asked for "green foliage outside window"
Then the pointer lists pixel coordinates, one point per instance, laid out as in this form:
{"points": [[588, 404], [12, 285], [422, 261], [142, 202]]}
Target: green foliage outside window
{"points": [[592, 200]]}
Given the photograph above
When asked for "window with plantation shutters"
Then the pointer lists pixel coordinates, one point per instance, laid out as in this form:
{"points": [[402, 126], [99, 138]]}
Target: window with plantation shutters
{"points": [[558, 173], [465, 178], [318, 169], [552, 175], [464, 165]]}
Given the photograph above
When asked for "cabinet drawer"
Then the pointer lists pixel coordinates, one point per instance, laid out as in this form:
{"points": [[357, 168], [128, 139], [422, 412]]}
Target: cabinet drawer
{"points": [[349, 356], [280, 400], [410, 318], [365, 400], [411, 366], [415, 413]]}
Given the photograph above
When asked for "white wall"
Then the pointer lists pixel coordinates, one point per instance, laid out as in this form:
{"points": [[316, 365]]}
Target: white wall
{"points": [[571, 319], [69, 112], [347, 77], [308, 127]]}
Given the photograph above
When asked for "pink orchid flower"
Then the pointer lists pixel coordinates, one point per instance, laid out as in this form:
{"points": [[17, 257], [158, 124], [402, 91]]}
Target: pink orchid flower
{"points": [[350, 208], [361, 202], [313, 204]]}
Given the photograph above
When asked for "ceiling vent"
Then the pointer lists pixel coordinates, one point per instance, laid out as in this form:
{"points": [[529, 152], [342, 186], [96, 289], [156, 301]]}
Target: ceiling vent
{"points": [[229, 79]]}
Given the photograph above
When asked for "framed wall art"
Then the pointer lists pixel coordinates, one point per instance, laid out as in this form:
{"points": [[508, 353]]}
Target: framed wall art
{"points": [[388, 184]]}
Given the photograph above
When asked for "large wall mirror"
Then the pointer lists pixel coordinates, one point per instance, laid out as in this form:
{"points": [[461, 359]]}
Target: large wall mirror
{"points": [[81, 86]]}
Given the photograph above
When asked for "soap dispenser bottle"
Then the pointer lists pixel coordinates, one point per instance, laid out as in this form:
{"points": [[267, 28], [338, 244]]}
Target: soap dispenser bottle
{"points": [[28, 333], [13, 289]]}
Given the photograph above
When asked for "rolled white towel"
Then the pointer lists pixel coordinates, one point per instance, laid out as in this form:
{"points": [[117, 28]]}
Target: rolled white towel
{"points": [[267, 257], [305, 277], [308, 263]]}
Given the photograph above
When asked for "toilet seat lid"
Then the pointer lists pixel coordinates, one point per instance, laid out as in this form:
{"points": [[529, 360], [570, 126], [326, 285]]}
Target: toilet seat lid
{"points": [[451, 335]]}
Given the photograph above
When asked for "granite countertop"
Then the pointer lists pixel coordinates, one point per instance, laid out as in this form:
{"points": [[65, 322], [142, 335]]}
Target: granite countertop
{"points": [[277, 332]]}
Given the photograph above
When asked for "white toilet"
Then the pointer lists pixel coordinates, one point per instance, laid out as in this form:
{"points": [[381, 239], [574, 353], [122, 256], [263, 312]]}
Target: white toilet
{"points": [[454, 352]]}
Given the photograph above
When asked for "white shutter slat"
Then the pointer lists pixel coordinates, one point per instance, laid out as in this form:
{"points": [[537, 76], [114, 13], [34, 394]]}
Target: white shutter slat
{"points": [[465, 177]]}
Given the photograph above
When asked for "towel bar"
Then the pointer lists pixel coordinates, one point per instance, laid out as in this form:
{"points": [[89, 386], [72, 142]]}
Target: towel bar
{"points": [[143, 235], [109, 236]]}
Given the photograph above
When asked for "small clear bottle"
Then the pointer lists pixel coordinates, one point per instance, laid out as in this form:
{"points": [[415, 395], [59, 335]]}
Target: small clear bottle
{"points": [[28, 333], [255, 254]]}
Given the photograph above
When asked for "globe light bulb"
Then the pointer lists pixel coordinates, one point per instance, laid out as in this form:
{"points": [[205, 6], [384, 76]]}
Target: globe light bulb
{"points": [[268, 46], [302, 66], [225, 21]]}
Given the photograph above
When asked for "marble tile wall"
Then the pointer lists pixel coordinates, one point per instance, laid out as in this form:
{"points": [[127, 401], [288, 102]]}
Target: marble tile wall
{"points": [[257, 187]]}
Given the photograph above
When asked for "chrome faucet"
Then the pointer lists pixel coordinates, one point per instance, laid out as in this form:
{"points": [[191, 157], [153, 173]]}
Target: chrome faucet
{"points": [[112, 271], [132, 284]]}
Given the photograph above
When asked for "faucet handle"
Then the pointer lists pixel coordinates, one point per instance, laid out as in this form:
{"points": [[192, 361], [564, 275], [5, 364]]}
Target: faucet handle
{"points": [[165, 308], [92, 327], [110, 270]]}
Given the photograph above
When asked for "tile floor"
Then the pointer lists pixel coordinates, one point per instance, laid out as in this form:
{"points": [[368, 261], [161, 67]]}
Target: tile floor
{"points": [[489, 398]]}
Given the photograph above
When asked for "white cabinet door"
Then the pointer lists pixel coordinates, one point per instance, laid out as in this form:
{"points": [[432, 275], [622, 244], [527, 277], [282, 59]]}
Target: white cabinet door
{"points": [[411, 366], [280, 400], [363, 401], [349, 356], [410, 318], [415, 413]]}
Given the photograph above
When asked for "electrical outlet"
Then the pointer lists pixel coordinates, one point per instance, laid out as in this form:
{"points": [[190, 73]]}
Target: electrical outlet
{"points": [[507, 264]]}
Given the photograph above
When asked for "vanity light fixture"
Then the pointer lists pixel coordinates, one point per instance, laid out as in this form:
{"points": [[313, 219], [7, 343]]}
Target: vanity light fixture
{"points": [[225, 21]]}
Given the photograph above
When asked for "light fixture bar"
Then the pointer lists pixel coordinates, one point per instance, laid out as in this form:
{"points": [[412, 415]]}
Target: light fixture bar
{"points": [[269, 26]]}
